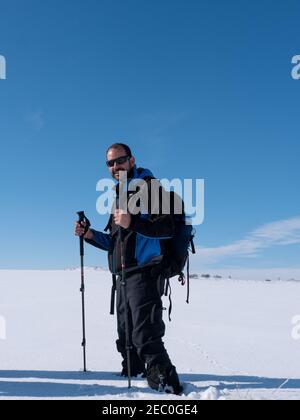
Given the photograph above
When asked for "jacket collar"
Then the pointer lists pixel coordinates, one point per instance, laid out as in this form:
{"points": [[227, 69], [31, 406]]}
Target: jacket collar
{"points": [[135, 173]]}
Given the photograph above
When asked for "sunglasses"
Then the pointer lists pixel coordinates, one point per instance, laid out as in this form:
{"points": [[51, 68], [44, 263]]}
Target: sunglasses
{"points": [[120, 161]]}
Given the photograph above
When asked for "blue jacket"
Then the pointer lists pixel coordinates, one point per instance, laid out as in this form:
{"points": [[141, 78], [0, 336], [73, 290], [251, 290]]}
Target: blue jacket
{"points": [[144, 240]]}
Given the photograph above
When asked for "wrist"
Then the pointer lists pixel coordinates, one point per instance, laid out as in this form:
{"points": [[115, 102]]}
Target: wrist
{"points": [[89, 235]]}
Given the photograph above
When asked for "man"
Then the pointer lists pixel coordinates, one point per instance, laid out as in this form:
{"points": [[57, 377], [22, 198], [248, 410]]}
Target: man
{"points": [[144, 237]]}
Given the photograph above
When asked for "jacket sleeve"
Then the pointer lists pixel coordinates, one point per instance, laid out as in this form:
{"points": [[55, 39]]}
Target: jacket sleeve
{"points": [[101, 240], [157, 224]]}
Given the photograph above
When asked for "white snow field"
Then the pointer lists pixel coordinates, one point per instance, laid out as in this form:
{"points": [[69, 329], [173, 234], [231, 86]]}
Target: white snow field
{"points": [[234, 341]]}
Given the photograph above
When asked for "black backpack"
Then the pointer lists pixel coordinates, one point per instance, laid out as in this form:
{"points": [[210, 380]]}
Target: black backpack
{"points": [[177, 249]]}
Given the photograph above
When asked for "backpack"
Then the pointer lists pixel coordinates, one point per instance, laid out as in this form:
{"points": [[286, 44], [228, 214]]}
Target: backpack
{"points": [[177, 248]]}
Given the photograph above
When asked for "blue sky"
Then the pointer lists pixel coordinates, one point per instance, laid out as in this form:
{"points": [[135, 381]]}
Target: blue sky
{"points": [[198, 88]]}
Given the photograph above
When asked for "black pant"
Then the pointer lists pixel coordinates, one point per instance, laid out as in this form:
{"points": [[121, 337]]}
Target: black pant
{"points": [[145, 312]]}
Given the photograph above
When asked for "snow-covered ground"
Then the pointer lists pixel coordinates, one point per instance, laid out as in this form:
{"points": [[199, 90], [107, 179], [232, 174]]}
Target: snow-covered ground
{"points": [[234, 340]]}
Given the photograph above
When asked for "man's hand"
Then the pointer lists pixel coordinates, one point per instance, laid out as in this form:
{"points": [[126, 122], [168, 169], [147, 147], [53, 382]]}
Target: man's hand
{"points": [[80, 228], [122, 219]]}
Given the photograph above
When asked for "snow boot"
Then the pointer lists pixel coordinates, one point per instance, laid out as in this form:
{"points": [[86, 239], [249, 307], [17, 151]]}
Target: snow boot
{"points": [[137, 367], [164, 379]]}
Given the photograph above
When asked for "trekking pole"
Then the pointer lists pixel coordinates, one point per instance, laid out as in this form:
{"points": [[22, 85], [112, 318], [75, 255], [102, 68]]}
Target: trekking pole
{"points": [[82, 219], [123, 283], [121, 200]]}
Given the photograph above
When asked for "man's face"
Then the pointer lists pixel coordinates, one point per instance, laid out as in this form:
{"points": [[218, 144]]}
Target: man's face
{"points": [[116, 168]]}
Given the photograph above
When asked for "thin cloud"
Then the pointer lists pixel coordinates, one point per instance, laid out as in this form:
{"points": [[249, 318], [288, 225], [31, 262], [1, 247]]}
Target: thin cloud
{"points": [[282, 232]]}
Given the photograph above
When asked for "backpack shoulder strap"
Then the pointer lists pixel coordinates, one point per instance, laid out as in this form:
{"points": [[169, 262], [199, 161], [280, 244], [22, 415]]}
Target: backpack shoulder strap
{"points": [[108, 226]]}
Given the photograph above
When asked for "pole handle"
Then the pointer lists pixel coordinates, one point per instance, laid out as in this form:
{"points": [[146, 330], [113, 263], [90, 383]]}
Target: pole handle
{"points": [[83, 219]]}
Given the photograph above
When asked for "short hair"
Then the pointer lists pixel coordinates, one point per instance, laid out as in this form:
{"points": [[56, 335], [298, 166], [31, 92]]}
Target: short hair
{"points": [[119, 146]]}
